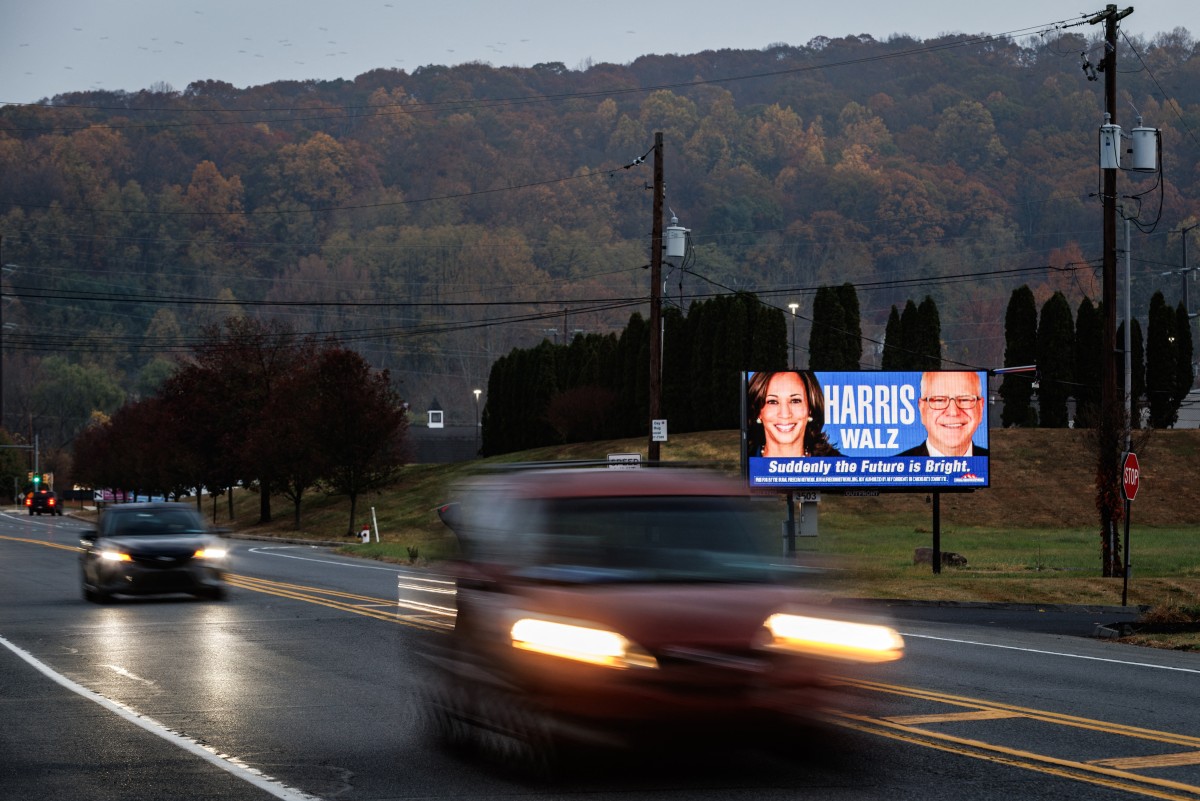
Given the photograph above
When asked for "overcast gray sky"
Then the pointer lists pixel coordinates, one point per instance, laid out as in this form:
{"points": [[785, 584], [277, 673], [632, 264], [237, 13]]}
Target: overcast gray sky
{"points": [[52, 46]]}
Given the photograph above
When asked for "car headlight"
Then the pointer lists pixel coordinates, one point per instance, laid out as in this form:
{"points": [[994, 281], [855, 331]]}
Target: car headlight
{"points": [[579, 642], [210, 553], [115, 556], [836, 639]]}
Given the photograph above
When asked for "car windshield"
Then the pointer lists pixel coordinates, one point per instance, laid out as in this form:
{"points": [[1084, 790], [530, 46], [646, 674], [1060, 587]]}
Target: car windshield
{"points": [[651, 539], [153, 523]]}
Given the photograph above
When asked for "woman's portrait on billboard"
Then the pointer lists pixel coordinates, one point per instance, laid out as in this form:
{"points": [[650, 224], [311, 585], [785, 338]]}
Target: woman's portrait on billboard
{"points": [[787, 415]]}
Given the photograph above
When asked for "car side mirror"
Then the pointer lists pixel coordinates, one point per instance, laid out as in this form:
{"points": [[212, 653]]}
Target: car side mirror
{"points": [[88, 538]]}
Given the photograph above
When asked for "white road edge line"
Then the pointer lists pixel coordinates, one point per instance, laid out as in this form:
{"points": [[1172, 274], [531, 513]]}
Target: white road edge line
{"points": [[1051, 653], [227, 763]]}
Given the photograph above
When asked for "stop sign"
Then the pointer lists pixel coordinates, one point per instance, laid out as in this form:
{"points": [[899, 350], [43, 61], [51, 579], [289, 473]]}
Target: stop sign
{"points": [[1131, 475]]}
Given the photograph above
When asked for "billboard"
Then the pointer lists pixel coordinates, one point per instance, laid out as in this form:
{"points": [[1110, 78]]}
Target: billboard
{"points": [[865, 430]]}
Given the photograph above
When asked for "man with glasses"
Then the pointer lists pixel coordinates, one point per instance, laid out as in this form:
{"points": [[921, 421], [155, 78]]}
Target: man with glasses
{"points": [[951, 410]]}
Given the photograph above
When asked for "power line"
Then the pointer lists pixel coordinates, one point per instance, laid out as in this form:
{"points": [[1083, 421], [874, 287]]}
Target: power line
{"points": [[56, 341]]}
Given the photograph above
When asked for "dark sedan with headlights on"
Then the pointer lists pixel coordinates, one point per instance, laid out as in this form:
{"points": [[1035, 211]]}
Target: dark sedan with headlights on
{"points": [[152, 549]]}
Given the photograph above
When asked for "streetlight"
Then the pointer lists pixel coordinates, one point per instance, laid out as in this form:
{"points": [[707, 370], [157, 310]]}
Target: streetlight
{"points": [[793, 307], [478, 424]]}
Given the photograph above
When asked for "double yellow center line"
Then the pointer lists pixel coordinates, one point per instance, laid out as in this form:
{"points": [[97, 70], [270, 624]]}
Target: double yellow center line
{"points": [[931, 730], [430, 617]]}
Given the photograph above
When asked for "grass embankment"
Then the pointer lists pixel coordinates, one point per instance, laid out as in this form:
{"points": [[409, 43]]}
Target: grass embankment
{"points": [[1031, 537]]}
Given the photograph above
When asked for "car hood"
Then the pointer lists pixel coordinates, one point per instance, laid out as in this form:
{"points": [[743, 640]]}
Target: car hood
{"points": [[167, 544], [711, 615]]}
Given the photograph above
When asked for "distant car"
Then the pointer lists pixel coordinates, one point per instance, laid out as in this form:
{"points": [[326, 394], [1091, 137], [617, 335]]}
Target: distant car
{"points": [[151, 549], [42, 501], [632, 607]]}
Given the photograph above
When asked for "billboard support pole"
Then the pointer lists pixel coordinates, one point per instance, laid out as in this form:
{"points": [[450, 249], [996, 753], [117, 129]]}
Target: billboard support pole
{"points": [[937, 532]]}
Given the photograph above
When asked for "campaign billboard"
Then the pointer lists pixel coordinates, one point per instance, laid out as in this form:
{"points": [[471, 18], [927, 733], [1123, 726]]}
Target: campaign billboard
{"points": [[865, 430]]}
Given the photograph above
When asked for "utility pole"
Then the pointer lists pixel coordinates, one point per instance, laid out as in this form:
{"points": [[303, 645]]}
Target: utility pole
{"points": [[1112, 411], [656, 260]]}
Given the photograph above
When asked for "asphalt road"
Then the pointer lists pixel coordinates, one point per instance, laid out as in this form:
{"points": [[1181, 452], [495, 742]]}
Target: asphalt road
{"points": [[304, 685]]}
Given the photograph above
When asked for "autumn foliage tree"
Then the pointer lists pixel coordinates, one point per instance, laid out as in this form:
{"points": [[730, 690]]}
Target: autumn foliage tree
{"points": [[358, 424], [261, 406]]}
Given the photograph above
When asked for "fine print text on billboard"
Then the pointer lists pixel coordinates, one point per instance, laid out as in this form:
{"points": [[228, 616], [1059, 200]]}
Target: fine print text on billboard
{"points": [[866, 430]]}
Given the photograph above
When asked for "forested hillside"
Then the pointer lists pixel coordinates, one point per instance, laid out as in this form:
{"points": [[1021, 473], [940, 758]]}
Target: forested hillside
{"points": [[436, 220]]}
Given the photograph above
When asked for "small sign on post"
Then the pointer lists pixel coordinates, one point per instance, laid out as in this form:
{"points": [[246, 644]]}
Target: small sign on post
{"points": [[658, 430], [624, 461]]}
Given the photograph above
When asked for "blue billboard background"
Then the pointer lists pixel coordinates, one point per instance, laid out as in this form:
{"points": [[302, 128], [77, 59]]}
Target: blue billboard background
{"points": [[872, 419]]}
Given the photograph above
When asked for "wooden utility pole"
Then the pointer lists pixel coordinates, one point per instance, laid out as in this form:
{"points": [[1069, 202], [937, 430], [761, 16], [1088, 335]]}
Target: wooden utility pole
{"points": [[656, 260], [1112, 407]]}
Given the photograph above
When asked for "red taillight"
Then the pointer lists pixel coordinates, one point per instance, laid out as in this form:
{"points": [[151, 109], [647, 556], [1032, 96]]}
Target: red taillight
{"points": [[29, 501], [50, 502]]}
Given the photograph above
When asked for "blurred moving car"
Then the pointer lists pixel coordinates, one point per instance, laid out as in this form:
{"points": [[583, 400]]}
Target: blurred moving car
{"points": [[42, 501], [150, 549], [629, 608]]}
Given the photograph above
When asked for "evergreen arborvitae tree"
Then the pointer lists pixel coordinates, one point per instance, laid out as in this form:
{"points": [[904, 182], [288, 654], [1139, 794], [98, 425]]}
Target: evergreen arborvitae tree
{"points": [[768, 338], [1161, 362], [927, 338], [1088, 367], [633, 377], [1137, 344], [852, 333], [892, 336], [728, 360], [541, 382], [729, 334], [1137, 370], [532, 392], [1020, 350], [1185, 351], [827, 338], [1056, 354], [908, 355], [677, 371], [495, 438]]}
